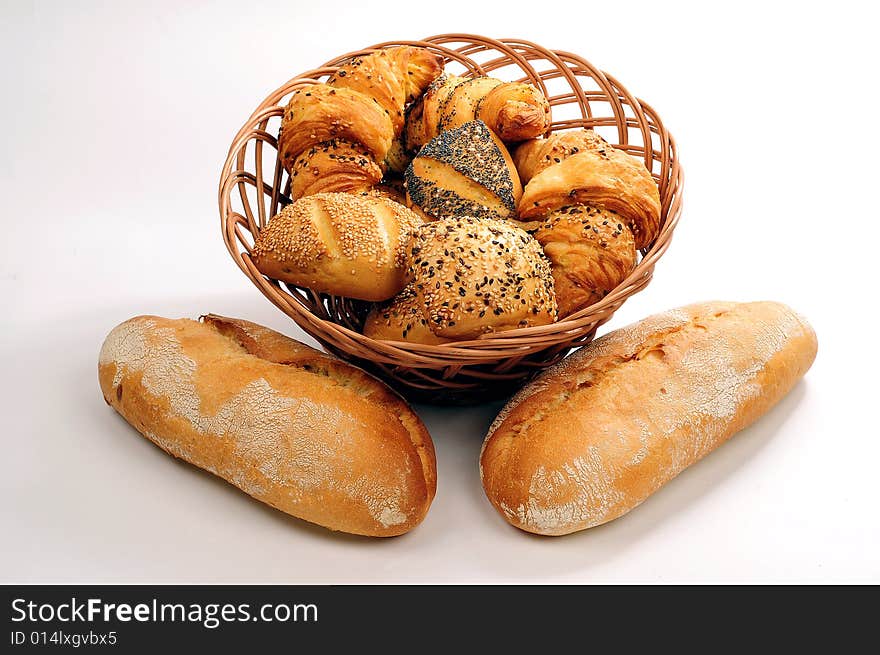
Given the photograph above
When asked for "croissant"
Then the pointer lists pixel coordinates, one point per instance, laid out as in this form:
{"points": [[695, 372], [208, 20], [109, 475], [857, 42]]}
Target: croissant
{"points": [[393, 77], [423, 117], [515, 111], [333, 166], [360, 106], [590, 250], [533, 156], [581, 168], [461, 105], [465, 171], [320, 113], [339, 243]]}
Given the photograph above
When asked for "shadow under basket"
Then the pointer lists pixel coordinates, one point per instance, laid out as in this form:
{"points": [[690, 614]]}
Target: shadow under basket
{"points": [[254, 187]]}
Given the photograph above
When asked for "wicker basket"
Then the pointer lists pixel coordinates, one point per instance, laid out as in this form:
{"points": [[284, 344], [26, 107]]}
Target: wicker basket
{"points": [[254, 187]]}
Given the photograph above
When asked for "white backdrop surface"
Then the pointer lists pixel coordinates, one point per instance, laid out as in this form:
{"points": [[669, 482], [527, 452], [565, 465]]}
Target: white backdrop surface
{"points": [[117, 118]]}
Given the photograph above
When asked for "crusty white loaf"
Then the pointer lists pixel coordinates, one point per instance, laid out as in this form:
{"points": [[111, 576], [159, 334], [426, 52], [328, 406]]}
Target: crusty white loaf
{"points": [[293, 427], [595, 435]]}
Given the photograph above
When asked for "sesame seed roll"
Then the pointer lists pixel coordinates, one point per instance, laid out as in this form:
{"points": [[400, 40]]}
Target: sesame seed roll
{"points": [[339, 243]]}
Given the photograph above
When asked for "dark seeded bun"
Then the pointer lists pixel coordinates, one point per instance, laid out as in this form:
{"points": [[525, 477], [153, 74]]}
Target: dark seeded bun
{"points": [[480, 275]]}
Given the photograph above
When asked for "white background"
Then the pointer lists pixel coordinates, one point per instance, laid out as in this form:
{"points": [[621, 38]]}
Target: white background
{"points": [[115, 121]]}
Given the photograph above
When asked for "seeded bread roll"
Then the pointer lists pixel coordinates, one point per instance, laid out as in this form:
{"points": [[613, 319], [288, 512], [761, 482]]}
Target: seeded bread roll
{"points": [[475, 276], [339, 243], [401, 319], [581, 168], [590, 250], [297, 429], [465, 171], [595, 435]]}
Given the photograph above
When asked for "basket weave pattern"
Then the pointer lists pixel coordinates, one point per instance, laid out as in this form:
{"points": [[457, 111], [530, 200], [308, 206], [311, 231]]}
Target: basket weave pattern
{"points": [[254, 187]]}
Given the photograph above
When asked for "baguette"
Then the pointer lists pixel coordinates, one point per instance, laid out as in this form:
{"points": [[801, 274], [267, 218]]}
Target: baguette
{"points": [[295, 428], [595, 435]]}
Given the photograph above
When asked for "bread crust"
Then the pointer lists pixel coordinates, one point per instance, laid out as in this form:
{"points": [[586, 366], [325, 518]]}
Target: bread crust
{"points": [[292, 427], [595, 435]]}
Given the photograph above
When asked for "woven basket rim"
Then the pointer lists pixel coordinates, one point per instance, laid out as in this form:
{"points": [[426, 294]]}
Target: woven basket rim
{"points": [[511, 344]]}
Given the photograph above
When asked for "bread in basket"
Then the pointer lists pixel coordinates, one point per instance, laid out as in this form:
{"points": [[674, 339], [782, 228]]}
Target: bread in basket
{"points": [[254, 186]]}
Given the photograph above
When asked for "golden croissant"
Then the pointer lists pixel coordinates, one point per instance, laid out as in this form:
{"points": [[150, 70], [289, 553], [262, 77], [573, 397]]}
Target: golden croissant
{"points": [[515, 111], [581, 168], [336, 136], [590, 250], [591, 207]]}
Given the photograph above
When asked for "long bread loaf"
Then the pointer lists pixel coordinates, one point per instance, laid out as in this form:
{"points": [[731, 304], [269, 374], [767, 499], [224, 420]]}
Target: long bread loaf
{"points": [[294, 428], [595, 435]]}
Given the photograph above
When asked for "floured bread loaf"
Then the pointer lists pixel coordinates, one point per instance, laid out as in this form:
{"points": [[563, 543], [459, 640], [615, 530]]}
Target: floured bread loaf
{"points": [[294, 428], [595, 435]]}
